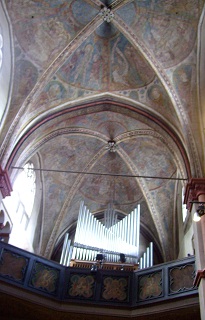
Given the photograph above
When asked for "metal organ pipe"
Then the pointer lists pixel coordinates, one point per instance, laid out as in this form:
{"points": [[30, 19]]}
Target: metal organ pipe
{"points": [[138, 227], [64, 248], [151, 254], [141, 263], [146, 260], [93, 237], [67, 252]]}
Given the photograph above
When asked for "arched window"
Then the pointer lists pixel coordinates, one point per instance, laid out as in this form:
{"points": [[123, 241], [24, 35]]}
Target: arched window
{"points": [[24, 189], [19, 207]]}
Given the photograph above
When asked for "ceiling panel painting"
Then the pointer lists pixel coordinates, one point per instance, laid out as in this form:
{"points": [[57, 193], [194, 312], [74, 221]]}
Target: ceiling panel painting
{"points": [[26, 75], [107, 64], [184, 79], [167, 29], [48, 26], [150, 155]]}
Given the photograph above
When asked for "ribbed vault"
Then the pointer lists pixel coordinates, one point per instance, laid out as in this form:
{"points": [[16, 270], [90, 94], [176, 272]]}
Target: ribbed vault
{"points": [[79, 81]]}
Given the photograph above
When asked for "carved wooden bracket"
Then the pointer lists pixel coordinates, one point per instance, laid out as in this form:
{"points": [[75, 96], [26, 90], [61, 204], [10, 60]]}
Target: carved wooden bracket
{"points": [[195, 187], [5, 184], [200, 275]]}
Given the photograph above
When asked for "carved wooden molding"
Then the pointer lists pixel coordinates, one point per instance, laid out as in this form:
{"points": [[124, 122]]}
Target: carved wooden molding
{"points": [[200, 275], [5, 184], [195, 187]]}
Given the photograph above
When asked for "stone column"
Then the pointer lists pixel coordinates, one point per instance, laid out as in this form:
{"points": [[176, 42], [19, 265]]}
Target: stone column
{"points": [[195, 191]]}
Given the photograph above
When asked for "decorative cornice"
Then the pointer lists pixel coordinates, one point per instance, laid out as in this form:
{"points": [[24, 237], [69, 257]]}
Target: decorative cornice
{"points": [[200, 275], [195, 187], [5, 184]]}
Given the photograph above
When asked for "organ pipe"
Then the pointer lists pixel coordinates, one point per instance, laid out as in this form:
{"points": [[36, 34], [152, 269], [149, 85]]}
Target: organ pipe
{"points": [[146, 259], [93, 237]]}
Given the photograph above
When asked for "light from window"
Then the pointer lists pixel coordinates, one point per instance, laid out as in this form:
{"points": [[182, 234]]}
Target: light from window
{"points": [[25, 186], [184, 209], [19, 207]]}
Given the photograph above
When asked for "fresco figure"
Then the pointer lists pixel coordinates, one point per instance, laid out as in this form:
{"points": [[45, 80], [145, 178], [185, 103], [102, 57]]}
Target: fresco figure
{"points": [[55, 90], [139, 69], [170, 44], [119, 66], [156, 95], [75, 68], [48, 38], [185, 83], [129, 68], [27, 75], [95, 73]]}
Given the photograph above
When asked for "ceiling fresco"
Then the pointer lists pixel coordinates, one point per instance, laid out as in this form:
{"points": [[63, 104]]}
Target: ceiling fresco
{"points": [[79, 82], [168, 30], [77, 145]]}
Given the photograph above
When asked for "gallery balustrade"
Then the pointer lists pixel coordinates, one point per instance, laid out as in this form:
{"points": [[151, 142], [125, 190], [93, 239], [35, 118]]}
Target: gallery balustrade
{"points": [[102, 286]]}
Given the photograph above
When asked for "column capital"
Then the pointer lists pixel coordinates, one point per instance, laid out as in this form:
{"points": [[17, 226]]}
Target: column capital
{"points": [[199, 275], [194, 188], [5, 184]]}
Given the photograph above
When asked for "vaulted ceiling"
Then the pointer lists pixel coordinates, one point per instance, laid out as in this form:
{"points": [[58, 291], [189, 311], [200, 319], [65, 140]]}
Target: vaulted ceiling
{"points": [[80, 81]]}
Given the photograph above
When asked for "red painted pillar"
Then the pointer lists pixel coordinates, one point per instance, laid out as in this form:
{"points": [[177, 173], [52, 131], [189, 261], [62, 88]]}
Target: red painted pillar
{"points": [[195, 191]]}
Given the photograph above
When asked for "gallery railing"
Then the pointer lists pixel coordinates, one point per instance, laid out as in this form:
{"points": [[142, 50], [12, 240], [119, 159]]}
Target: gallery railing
{"points": [[114, 287]]}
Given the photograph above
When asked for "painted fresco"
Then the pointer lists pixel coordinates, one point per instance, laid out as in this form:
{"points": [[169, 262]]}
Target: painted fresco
{"points": [[153, 95], [154, 156], [74, 152], [169, 44], [106, 62], [49, 39], [55, 90], [83, 67], [91, 67], [158, 99], [46, 27], [128, 68], [169, 36], [103, 190], [62, 155], [184, 78], [26, 75]]}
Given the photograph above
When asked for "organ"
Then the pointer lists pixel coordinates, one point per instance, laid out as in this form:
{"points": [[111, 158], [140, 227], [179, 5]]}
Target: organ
{"points": [[112, 240]]}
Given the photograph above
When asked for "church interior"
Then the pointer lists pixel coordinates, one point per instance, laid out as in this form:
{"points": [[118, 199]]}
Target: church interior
{"points": [[102, 101]]}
